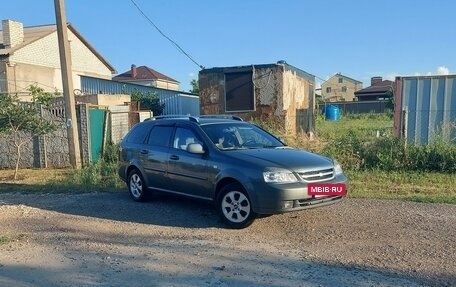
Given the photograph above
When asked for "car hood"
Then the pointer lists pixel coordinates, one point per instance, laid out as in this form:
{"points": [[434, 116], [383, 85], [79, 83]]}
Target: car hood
{"points": [[288, 158]]}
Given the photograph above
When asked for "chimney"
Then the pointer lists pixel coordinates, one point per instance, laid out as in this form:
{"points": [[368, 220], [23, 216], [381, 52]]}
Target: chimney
{"points": [[133, 71], [376, 80], [13, 33]]}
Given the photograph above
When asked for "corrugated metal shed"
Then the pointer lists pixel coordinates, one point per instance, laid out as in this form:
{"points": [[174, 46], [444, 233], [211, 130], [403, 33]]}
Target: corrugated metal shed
{"points": [[426, 108], [176, 102]]}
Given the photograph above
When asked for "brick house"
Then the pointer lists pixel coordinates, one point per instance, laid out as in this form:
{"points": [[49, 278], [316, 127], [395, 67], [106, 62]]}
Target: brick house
{"points": [[379, 90], [31, 55], [146, 76], [340, 88]]}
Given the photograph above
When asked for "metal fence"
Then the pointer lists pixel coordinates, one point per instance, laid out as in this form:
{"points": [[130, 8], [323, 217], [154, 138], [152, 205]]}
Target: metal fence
{"points": [[176, 102], [360, 107], [426, 108]]}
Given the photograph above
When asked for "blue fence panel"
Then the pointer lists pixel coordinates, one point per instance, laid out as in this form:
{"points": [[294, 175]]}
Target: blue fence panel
{"points": [[430, 104]]}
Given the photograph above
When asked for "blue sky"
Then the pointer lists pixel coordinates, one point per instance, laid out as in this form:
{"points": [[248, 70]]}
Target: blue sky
{"points": [[358, 38]]}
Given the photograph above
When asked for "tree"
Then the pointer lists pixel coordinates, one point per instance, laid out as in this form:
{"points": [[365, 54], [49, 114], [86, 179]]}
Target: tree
{"points": [[149, 101], [390, 100], [195, 87], [23, 121]]}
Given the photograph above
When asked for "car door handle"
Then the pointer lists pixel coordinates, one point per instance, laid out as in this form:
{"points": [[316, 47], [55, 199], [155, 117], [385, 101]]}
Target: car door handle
{"points": [[174, 157], [144, 151]]}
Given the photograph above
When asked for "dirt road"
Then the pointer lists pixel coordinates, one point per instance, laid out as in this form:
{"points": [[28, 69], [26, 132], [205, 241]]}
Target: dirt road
{"points": [[106, 239]]}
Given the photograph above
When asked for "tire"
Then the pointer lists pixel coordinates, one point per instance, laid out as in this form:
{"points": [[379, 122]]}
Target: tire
{"points": [[234, 206], [137, 186]]}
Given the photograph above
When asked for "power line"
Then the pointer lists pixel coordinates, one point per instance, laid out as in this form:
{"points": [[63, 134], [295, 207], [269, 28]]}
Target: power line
{"points": [[164, 35]]}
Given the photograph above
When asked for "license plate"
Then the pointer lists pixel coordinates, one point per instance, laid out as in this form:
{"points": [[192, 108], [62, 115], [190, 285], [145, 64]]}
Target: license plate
{"points": [[320, 189]]}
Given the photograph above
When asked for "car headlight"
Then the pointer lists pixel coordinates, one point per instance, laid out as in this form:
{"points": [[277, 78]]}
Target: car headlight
{"points": [[279, 175], [337, 168]]}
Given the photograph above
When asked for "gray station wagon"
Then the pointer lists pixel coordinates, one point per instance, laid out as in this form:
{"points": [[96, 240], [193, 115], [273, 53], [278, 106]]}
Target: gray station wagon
{"points": [[244, 170]]}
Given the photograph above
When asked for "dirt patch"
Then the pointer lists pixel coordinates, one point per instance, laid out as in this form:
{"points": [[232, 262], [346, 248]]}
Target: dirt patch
{"points": [[106, 239]]}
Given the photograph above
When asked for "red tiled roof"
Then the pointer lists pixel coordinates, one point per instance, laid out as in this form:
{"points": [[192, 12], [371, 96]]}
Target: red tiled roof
{"points": [[143, 73]]}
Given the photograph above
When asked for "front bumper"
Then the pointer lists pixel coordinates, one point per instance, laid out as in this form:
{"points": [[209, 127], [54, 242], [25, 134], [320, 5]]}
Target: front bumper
{"points": [[281, 198]]}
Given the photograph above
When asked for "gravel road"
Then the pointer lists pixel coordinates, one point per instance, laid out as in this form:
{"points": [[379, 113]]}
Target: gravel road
{"points": [[106, 239]]}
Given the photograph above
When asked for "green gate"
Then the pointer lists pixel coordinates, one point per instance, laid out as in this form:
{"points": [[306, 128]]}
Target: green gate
{"points": [[97, 130]]}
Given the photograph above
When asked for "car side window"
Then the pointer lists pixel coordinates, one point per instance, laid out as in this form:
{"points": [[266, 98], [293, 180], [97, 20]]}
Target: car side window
{"points": [[183, 137], [160, 136], [138, 134]]}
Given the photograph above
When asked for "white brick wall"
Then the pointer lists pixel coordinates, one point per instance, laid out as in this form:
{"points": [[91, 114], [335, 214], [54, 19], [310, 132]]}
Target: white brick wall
{"points": [[45, 53], [13, 33], [119, 122]]}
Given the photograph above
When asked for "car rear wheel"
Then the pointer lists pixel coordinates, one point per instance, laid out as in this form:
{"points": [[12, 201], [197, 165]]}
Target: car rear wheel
{"points": [[137, 186], [234, 206]]}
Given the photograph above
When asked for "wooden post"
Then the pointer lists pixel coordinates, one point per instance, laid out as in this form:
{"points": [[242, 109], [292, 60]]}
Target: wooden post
{"points": [[67, 80]]}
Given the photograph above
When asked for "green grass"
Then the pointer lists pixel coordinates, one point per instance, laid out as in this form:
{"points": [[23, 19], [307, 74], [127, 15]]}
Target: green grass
{"points": [[4, 239], [101, 176], [412, 186], [365, 125], [60, 181]]}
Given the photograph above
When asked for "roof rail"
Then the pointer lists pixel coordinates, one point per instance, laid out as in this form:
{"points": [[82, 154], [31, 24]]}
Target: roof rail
{"points": [[222, 117], [170, 117], [193, 119], [196, 118]]}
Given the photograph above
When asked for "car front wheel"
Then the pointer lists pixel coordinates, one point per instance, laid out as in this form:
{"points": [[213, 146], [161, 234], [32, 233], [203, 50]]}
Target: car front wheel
{"points": [[234, 206], [137, 186]]}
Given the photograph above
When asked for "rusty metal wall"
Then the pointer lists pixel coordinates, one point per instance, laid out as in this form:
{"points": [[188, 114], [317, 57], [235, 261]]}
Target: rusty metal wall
{"points": [[426, 108]]}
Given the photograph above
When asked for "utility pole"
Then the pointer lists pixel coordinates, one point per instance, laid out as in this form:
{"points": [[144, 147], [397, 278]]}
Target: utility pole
{"points": [[67, 79]]}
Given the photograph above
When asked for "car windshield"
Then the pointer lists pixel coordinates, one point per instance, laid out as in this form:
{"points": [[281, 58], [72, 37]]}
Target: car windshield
{"points": [[229, 136]]}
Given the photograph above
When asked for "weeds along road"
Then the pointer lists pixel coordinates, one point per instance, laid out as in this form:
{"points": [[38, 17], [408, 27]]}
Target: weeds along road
{"points": [[106, 239]]}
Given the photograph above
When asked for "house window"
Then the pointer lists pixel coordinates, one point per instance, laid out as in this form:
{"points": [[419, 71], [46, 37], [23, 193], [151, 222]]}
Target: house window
{"points": [[344, 89], [341, 80], [328, 90], [239, 94]]}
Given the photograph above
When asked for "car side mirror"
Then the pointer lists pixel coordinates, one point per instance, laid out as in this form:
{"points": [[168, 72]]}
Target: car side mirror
{"points": [[195, 148]]}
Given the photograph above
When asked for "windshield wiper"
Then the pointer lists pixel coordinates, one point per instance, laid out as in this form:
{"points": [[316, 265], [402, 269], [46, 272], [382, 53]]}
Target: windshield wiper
{"points": [[271, 146]]}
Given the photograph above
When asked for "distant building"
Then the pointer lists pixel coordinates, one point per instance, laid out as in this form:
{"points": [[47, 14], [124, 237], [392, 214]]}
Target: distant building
{"points": [[30, 55], [379, 90], [146, 76], [340, 88]]}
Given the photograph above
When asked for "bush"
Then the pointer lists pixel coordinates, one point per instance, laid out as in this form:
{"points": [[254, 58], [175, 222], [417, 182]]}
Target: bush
{"points": [[439, 156], [391, 154], [100, 174], [384, 154], [347, 150]]}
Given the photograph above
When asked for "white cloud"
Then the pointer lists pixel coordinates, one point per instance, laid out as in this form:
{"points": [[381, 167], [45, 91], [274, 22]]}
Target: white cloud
{"points": [[390, 76], [442, 70], [191, 75]]}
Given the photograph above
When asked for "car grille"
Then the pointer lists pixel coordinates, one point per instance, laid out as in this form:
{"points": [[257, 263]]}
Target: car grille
{"points": [[316, 200], [317, 175]]}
